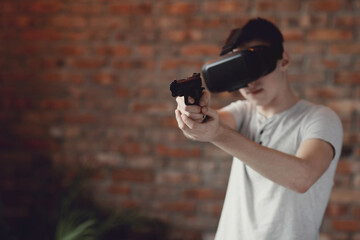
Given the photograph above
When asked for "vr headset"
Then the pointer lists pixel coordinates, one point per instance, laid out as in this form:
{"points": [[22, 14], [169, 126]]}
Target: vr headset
{"points": [[234, 70]]}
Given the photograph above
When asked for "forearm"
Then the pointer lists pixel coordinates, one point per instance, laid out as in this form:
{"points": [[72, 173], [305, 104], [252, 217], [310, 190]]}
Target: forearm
{"points": [[287, 170]]}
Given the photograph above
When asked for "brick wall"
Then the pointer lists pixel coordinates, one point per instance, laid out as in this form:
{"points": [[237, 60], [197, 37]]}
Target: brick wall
{"points": [[85, 83]]}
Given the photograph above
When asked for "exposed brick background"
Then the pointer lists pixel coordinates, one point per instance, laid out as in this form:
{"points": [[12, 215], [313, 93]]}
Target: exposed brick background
{"points": [[85, 84]]}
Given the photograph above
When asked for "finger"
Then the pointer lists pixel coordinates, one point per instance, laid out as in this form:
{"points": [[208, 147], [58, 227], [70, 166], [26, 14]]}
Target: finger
{"points": [[212, 113], [179, 120], [204, 110], [188, 121], [195, 116], [191, 100], [180, 101], [205, 98], [189, 109]]}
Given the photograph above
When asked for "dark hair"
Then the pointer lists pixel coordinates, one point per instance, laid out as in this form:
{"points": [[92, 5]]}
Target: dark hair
{"points": [[256, 29]]}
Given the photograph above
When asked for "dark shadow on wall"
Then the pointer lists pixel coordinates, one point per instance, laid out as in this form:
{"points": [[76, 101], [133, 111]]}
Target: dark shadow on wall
{"points": [[62, 209]]}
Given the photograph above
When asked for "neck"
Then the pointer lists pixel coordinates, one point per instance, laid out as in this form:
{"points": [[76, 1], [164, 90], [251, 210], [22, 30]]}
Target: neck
{"points": [[279, 104]]}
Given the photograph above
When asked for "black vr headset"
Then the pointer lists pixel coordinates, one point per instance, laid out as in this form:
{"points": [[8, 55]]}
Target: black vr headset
{"points": [[234, 70]]}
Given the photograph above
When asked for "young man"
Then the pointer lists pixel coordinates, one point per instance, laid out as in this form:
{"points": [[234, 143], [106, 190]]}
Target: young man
{"points": [[285, 151]]}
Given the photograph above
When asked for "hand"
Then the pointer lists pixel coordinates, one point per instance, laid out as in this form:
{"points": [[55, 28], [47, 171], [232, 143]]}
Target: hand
{"points": [[204, 132], [195, 112]]}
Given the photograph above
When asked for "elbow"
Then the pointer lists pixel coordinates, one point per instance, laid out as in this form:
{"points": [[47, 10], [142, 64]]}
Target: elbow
{"points": [[301, 189], [302, 185]]}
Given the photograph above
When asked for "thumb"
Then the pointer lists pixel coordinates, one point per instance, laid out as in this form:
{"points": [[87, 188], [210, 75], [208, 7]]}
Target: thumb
{"points": [[205, 99], [212, 113]]}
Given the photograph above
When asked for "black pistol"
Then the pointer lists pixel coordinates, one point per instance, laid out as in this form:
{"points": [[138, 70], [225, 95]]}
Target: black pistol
{"points": [[190, 86]]}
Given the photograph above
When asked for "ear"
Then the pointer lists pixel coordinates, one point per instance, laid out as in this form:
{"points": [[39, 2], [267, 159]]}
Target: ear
{"points": [[285, 61]]}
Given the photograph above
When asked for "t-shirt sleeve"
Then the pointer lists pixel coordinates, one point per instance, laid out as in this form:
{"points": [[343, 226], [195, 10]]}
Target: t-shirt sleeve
{"points": [[324, 124], [238, 110]]}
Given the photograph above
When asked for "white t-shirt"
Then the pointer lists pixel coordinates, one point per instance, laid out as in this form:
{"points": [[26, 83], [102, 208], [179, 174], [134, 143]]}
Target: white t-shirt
{"points": [[256, 208]]}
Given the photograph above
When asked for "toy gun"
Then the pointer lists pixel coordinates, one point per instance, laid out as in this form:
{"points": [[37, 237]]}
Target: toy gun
{"points": [[188, 87]]}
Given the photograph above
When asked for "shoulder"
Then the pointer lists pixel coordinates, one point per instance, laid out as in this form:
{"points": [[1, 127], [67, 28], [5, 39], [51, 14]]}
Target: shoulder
{"points": [[321, 122], [239, 110], [238, 106], [317, 112]]}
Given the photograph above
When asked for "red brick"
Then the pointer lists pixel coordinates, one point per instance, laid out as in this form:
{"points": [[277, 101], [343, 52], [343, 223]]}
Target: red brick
{"points": [[145, 50], [117, 50], [345, 196], [178, 36], [226, 7], [329, 35], [134, 64], [65, 21], [153, 108], [132, 175], [110, 23], [180, 8], [347, 21], [356, 212], [168, 64], [304, 21], [71, 50], [7, 7], [293, 35], [104, 78], [348, 78], [188, 234], [89, 63], [79, 118], [346, 225], [129, 204], [327, 92], [336, 210], [347, 167], [282, 5], [164, 150], [123, 92], [212, 208], [356, 181], [141, 161], [133, 148], [325, 5], [77, 35], [93, 9], [121, 190], [41, 7], [323, 63], [351, 48], [169, 122], [304, 78], [131, 8], [299, 48], [39, 145], [182, 207], [171, 177], [200, 50], [41, 35], [344, 106], [147, 92], [203, 193], [55, 104], [17, 103]]}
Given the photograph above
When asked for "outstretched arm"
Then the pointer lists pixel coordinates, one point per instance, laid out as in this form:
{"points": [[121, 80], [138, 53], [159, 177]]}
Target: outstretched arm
{"points": [[297, 172]]}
